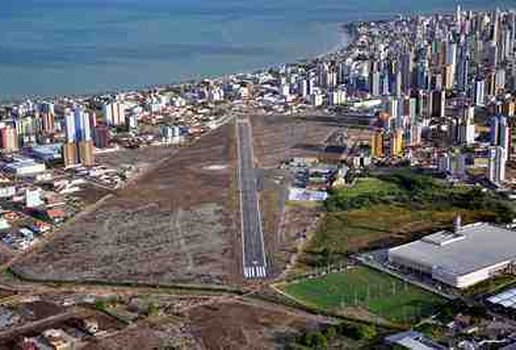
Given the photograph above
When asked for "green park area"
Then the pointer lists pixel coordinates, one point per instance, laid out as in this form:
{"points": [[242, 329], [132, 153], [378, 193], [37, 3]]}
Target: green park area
{"points": [[368, 186], [360, 291], [392, 208]]}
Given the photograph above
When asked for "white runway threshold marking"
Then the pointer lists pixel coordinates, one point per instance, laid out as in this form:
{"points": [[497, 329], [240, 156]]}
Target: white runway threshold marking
{"points": [[255, 272]]}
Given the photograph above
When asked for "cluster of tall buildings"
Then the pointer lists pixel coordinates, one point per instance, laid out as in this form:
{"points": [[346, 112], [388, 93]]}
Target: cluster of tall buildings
{"points": [[27, 125], [424, 76], [68, 123], [389, 140], [8, 138], [397, 126], [436, 74], [462, 126]]}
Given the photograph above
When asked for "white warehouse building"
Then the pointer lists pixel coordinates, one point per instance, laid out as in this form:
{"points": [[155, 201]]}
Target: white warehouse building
{"points": [[471, 254]]}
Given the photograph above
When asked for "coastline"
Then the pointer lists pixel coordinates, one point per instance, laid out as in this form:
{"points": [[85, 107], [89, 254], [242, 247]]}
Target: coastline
{"points": [[345, 37]]}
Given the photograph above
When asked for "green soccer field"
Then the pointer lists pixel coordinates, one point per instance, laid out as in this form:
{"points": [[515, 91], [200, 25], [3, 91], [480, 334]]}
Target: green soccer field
{"points": [[380, 294]]}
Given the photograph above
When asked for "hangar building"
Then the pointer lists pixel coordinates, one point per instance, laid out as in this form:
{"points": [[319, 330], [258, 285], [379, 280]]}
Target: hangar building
{"points": [[471, 254]]}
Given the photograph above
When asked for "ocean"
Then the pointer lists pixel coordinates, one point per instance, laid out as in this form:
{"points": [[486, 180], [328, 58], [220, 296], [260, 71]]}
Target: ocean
{"points": [[56, 47]]}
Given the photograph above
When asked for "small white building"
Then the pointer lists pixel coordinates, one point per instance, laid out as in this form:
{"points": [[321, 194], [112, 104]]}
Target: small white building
{"points": [[33, 198], [7, 191]]}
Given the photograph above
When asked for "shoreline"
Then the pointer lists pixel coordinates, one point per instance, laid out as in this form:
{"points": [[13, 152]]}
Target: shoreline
{"points": [[345, 37]]}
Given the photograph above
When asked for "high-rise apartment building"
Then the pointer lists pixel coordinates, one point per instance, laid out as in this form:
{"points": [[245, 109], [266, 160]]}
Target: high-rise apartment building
{"points": [[114, 113], [479, 92], [78, 147], [496, 168], [9, 139]]}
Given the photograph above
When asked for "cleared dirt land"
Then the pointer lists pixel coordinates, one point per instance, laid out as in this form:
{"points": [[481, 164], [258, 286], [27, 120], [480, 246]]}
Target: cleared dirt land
{"points": [[277, 139], [174, 224], [143, 337], [239, 325], [141, 157], [229, 324]]}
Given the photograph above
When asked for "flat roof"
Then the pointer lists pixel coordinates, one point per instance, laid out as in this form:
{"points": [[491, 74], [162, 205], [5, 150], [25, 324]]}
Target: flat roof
{"points": [[301, 194], [413, 340], [472, 248], [505, 299]]}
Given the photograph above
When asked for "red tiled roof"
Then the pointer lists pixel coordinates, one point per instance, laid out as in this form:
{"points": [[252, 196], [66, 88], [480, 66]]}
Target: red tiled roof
{"points": [[56, 213]]}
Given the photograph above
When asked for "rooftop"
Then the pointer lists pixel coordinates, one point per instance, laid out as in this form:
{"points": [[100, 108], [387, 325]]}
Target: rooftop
{"points": [[505, 299], [414, 341], [472, 248]]}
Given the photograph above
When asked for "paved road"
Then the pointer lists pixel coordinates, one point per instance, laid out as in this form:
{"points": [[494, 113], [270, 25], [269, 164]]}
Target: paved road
{"points": [[255, 265]]}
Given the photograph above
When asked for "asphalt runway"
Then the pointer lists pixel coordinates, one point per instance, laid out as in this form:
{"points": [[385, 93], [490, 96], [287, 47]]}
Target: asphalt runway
{"points": [[254, 262]]}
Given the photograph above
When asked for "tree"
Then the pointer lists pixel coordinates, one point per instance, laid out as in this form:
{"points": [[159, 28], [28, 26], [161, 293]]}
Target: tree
{"points": [[326, 256], [100, 305], [314, 340], [359, 332], [330, 332], [152, 309], [366, 332]]}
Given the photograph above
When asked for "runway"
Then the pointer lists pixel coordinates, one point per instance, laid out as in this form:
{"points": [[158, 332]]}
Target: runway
{"points": [[253, 254]]}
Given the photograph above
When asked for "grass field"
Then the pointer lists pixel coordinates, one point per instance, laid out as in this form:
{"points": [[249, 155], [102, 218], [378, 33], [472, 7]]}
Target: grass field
{"points": [[368, 186], [378, 293], [363, 193], [303, 204], [405, 187]]}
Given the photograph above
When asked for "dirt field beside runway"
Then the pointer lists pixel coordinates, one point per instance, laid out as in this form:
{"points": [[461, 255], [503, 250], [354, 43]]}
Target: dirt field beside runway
{"points": [[174, 224]]}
